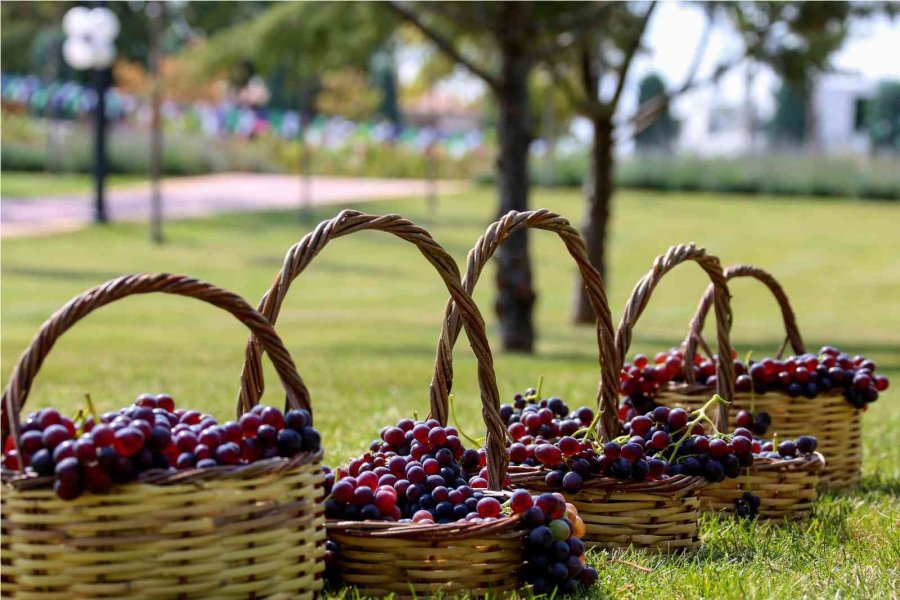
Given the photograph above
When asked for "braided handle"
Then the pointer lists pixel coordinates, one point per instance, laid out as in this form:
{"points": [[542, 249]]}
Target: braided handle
{"points": [[792, 332], [349, 221], [640, 296], [16, 392], [478, 258]]}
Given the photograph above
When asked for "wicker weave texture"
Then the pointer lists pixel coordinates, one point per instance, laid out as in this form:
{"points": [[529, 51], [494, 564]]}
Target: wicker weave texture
{"points": [[226, 532], [407, 567], [231, 538], [664, 523], [787, 490]]}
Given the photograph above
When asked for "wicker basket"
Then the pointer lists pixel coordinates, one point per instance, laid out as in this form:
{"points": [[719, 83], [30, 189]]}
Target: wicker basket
{"points": [[225, 532], [659, 515], [786, 488], [828, 417], [380, 558]]}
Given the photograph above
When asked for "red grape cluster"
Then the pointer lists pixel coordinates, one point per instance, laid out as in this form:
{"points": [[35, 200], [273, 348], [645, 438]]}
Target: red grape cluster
{"points": [[657, 445], [151, 434], [416, 471], [807, 375], [554, 552], [420, 472], [530, 416]]}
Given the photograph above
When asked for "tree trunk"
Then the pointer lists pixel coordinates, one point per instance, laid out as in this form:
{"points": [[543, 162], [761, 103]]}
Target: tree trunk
{"points": [[515, 294], [598, 195]]}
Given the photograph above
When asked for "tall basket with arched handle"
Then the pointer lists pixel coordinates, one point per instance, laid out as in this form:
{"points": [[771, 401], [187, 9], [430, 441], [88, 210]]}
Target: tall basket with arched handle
{"points": [[238, 531], [379, 558], [661, 515], [829, 416]]}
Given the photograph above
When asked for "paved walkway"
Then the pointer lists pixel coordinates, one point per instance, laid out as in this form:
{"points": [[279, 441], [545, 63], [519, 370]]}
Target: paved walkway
{"points": [[187, 197]]}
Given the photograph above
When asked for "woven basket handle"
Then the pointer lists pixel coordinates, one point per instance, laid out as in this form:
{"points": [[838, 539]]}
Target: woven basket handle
{"points": [[16, 392], [298, 259], [478, 258], [792, 332], [640, 296]]}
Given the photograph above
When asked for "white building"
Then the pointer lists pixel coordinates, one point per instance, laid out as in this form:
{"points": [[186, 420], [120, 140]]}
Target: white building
{"points": [[711, 127]]}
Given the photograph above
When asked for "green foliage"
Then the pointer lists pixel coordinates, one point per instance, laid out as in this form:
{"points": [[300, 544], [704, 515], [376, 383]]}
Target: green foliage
{"points": [[788, 125], [661, 135], [779, 174], [786, 175], [883, 116], [303, 39]]}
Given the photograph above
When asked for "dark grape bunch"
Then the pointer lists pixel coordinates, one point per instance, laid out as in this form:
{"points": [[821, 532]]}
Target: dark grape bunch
{"points": [[530, 416], [747, 506], [663, 443], [808, 375], [786, 449], [759, 423], [420, 472], [417, 471], [332, 567], [151, 434], [554, 553]]}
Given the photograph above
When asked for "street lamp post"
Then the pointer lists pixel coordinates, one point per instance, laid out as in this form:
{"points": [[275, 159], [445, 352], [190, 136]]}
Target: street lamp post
{"points": [[89, 45]]}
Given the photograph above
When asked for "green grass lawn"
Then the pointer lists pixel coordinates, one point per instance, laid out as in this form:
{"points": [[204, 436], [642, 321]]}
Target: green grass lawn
{"points": [[24, 184], [362, 324]]}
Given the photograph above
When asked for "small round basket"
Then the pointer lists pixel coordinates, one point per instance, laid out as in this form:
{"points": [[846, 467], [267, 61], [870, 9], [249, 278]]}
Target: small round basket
{"points": [[658, 515], [829, 416], [786, 488], [378, 558], [227, 532]]}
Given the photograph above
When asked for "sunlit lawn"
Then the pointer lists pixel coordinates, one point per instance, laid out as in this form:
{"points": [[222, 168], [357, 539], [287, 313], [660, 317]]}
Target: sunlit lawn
{"points": [[363, 321], [22, 184]]}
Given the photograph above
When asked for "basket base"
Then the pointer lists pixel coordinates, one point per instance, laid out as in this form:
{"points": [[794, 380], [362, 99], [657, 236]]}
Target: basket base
{"points": [[828, 417], [651, 522], [784, 495], [411, 568], [229, 538]]}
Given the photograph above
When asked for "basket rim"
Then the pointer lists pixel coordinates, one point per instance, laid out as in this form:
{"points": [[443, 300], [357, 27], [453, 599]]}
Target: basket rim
{"points": [[676, 484], [809, 462], [166, 477], [457, 530], [695, 389]]}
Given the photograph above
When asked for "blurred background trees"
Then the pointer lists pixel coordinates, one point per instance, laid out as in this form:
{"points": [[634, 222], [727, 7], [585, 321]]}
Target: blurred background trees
{"points": [[506, 93]]}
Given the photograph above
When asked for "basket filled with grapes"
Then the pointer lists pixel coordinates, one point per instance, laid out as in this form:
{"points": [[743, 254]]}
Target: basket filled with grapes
{"points": [[622, 502], [821, 394], [780, 484], [418, 513], [155, 500]]}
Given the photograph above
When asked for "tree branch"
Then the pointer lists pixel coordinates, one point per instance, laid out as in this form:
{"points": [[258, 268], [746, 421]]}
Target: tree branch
{"points": [[630, 52], [573, 30], [444, 44], [648, 112], [564, 83]]}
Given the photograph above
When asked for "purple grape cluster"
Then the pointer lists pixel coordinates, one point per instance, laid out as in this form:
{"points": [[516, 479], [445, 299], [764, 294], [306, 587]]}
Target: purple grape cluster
{"points": [[549, 418], [150, 434]]}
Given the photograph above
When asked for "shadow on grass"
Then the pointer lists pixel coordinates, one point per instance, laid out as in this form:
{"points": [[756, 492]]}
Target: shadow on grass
{"points": [[870, 485]]}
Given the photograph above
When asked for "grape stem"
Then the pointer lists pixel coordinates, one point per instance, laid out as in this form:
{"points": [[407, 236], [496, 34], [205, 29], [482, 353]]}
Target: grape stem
{"points": [[91, 409], [701, 416], [472, 440], [590, 430]]}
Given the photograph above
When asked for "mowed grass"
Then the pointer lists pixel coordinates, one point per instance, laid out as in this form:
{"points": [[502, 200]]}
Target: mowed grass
{"points": [[22, 184], [363, 321]]}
